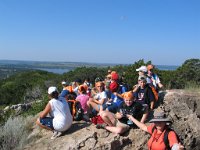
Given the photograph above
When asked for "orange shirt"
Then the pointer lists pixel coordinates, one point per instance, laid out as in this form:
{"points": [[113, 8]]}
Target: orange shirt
{"points": [[156, 142], [69, 88]]}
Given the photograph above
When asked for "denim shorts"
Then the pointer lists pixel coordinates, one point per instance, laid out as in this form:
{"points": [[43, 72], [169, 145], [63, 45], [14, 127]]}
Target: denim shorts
{"points": [[104, 106], [95, 112], [47, 121], [112, 108]]}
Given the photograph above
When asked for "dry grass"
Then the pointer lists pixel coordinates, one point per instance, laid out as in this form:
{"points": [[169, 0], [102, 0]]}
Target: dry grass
{"points": [[192, 87], [14, 133]]}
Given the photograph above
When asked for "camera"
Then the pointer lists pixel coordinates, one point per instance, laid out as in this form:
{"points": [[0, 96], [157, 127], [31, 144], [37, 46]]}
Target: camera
{"points": [[128, 112]]}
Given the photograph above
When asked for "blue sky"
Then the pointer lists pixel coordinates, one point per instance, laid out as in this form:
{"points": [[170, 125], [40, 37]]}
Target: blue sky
{"points": [[167, 32]]}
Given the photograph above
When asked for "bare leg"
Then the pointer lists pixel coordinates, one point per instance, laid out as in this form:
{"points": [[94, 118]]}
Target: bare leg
{"points": [[116, 130], [93, 105], [152, 105], [108, 117]]}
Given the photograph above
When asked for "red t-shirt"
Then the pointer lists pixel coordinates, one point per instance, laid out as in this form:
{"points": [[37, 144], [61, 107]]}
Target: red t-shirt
{"points": [[156, 142]]}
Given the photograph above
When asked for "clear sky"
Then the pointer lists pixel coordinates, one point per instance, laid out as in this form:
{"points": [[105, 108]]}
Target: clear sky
{"points": [[167, 32]]}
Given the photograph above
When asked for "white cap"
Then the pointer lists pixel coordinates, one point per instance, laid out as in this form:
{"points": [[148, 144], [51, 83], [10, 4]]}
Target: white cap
{"points": [[63, 83], [52, 89], [142, 68]]}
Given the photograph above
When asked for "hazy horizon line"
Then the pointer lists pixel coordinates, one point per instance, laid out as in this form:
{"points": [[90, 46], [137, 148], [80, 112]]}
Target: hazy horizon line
{"points": [[78, 62]]}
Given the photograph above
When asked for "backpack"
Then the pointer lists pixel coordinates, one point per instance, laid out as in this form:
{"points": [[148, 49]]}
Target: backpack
{"points": [[166, 140], [70, 95], [155, 93], [76, 110], [146, 90]]}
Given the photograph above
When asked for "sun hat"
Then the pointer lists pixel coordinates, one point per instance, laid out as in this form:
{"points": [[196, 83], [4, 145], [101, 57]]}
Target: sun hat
{"points": [[142, 68], [52, 89], [160, 117]]}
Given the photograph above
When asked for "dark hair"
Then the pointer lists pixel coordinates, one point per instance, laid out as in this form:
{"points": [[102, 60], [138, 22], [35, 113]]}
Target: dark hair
{"points": [[143, 79], [98, 79], [55, 94], [78, 80], [87, 79], [82, 89]]}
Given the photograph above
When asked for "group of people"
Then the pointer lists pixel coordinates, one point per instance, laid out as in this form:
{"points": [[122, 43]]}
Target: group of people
{"points": [[119, 108]]}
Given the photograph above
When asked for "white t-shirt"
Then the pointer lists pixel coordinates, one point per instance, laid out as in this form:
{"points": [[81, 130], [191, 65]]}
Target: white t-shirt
{"points": [[60, 111], [154, 79], [100, 96]]}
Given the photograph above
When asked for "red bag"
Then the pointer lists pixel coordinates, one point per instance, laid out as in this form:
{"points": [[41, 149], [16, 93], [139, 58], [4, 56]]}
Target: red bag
{"points": [[97, 120]]}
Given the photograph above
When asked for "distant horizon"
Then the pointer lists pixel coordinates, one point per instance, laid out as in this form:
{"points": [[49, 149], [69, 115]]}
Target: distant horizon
{"points": [[82, 62]]}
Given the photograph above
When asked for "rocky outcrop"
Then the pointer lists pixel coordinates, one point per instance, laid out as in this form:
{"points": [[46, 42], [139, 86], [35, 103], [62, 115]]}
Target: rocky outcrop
{"points": [[19, 108], [182, 107]]}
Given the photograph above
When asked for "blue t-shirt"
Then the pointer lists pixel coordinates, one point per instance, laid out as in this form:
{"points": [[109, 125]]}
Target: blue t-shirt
{"points": [[64, 93], [117, 100]]}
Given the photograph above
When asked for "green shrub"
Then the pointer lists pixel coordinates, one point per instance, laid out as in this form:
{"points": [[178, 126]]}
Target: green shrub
{"points": [[36, 107]]}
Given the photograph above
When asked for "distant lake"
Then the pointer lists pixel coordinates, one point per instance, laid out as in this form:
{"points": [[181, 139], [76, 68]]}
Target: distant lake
{"points": [[54, 70], [61, 71], [166, 67]]}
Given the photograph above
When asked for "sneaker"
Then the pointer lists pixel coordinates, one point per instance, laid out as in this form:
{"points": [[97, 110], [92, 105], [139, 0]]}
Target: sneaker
{"points": [[100, 126], [56, 134]]}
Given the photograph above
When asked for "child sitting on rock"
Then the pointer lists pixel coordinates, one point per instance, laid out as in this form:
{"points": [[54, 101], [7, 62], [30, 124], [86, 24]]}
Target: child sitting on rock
{"points": [[56, 116], [119, 123]]}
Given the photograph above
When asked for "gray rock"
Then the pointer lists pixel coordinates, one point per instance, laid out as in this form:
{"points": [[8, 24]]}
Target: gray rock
{"points": [[181, 106]]}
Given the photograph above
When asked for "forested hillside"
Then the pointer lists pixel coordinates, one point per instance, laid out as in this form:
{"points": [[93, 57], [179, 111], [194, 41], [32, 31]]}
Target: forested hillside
{"points": [[32, 85]]}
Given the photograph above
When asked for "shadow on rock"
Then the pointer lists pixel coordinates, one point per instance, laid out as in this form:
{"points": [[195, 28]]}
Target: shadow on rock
{"points": [[77, 126]]}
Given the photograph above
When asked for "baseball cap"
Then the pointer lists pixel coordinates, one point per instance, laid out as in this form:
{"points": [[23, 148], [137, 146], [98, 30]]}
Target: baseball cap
{"points": [[52, 89]]}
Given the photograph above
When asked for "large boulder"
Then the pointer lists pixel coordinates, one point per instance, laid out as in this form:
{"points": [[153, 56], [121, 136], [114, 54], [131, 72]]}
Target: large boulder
{"points": [[181, 106], [184, 108]]}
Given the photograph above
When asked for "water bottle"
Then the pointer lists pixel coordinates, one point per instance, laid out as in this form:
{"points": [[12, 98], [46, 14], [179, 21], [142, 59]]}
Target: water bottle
{"points": [[175, 146], [129, 122]]}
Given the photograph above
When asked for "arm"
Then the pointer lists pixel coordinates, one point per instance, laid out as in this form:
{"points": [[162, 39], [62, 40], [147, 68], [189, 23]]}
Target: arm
{"points": [[160, 85], [139, 124], [180, 146], [45, 111], [174, 142], [117, 94], [118, 115], [95, 101], [101, 101], [135, 88], [145, 115]]}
